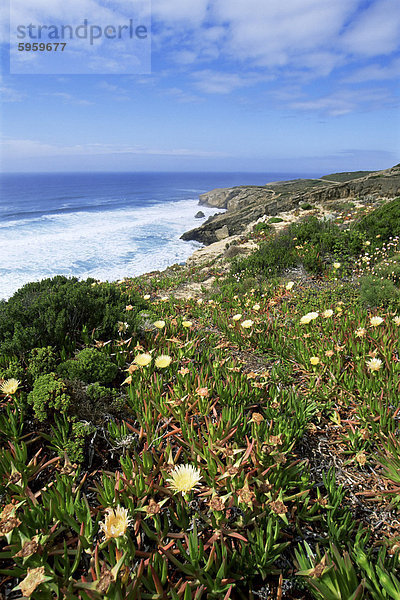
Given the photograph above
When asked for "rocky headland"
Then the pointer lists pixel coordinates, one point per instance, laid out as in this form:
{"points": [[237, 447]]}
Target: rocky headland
{"points": [[246, 205]]}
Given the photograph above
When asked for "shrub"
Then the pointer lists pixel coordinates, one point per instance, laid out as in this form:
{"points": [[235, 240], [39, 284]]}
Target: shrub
{"points": [[94, 401], [275, 220], [12, 369], [384, 221], [306, 206], [49, 393], [90, 366], [41, 361], [53, 312], [262, 228], [378, 292]]}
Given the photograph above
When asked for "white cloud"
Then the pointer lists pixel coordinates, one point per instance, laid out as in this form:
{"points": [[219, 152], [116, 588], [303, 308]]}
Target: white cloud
{"points": [[376, 31], [375, 72], [346, 101], [180, 12], [25, 148], [9, 94], [70, 99]]}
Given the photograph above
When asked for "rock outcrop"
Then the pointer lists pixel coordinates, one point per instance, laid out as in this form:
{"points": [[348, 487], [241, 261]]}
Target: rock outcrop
{"points": [[245, 204]]}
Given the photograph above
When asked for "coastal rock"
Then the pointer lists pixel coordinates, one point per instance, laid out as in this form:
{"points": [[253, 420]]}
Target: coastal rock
{"points": [[246, 204], [199, 215], [222, 233]]}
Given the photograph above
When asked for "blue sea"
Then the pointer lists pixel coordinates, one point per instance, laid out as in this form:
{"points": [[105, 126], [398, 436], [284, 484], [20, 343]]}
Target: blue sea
{"points": [[102, 225]]}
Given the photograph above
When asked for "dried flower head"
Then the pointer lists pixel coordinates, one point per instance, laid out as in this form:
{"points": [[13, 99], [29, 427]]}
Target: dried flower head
{"points": [[32, 580], [184, 478], [115, 523]]}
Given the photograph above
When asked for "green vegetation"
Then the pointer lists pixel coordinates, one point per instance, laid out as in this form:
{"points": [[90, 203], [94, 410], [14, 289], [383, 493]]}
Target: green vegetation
{"points": [[54, 312], [244, 447], [383, 222]]}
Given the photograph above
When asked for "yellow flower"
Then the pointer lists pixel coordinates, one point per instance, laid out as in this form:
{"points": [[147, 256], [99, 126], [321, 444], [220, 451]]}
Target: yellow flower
{"points": [[289, 285], [129, 307], [314, 360], [308, 317], [184, 478], [164, 299], [396, 321], [159, 324], [142, 360], [247, 324], [10, 386], [374, 364], [336, 265], [256, 307], [163, 361], [327, 313], [375, 321], [200, 301], [32, 580], [115, 523], [360, 332], [146, 297], [236, 317], [367, 243], [187, 323]]}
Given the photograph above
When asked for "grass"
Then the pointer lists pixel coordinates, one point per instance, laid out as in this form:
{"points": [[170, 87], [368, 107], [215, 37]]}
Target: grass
{"points": [[287, 423]]}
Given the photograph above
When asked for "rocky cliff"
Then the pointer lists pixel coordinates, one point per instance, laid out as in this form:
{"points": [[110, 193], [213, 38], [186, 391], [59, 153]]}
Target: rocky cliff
{"points": [[246, 204]]}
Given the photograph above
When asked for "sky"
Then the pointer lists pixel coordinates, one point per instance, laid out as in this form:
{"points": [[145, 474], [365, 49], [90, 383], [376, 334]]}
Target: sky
{"points": [[291, 86]]}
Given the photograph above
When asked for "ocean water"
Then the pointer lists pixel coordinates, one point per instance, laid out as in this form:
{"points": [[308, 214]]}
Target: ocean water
{"points": [[102, 225]]}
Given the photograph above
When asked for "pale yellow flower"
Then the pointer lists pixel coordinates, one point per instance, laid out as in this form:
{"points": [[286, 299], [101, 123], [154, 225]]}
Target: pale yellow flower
{"points": [[314, 360], [396, 321], [115, 523], [10, 386], [237, 317], [375, 321], [308, 317], [129, 307], [143, 359], [164, 299], [184, 478], [374, 364], [247, 324], [256, 307], [32, 580], [327, 313], [289, 285], [200, 301], [159, 324], [163, 361], [367, 243], [146, 297], [336, 265], [360, 332], [187, 323]]}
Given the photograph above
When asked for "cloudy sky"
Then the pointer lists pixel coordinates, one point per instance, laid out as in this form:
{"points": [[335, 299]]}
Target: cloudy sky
{"points": [[292, 86]]}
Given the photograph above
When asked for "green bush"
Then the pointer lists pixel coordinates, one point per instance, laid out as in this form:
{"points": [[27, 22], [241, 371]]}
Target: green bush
{"points": [[12, 369], [41, 361], [49, 393], [378, 292], [90, 366], [262, 228], [275, 220], [306, 206], [53, 312], [384, 221]]}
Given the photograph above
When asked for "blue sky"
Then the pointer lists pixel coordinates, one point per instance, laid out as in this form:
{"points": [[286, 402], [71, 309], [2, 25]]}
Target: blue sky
{"points": [[305, 86]]}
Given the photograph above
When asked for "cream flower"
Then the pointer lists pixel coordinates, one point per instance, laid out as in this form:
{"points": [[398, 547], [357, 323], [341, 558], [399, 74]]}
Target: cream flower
{"points": [[10, 386], [360, 332], [237, 317], [32, 580], [184, 478], [396, 321], [375, 321], [129, 307], [143, 359], [159, 324], [115, 523], [163, 361], [256, 307], [314, 360], [308, 317], [289, 285], [146, 297], [336, 265], [327, 313], [374, 364], [187, 323], [247, 324]]}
